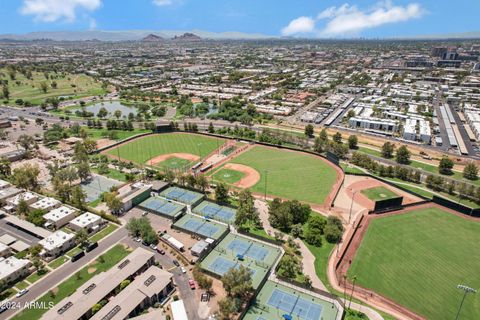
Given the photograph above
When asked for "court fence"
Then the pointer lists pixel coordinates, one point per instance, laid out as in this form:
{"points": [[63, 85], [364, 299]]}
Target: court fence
{"points": [[256, 236], [191, 232]]}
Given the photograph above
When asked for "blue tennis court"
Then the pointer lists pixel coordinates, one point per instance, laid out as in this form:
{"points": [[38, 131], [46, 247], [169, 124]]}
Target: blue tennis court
{"points": [[207, 230], [211, 209], [295, 305], [245, 248], [226, 214], [200, 226], [162, 206], [216, 212], [221, 265], [182, 195]]}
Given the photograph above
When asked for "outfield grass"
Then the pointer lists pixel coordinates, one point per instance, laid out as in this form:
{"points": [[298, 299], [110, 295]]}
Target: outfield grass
{"points": [[30, 90], [66, 288], [379, 193], [103, 233], [96, 134], [417, 259], [228, 176], [290, 175], [143, 149]]}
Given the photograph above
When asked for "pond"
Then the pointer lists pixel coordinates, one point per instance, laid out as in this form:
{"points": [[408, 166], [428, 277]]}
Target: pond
{"points": [[111, 107]]}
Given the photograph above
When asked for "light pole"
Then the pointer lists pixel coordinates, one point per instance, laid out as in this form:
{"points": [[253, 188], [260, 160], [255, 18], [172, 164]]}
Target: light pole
{"points": [[351, 206], [353, 290], [265, 191], [466, 291]]}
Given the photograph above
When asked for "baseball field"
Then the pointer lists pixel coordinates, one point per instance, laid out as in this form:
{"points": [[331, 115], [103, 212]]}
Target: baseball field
{"points": [[290, 175], [144, 149], [418, 258], [379, 193]]}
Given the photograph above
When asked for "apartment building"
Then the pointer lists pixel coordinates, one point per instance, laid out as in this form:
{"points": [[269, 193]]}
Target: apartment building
{"points": [[12, 269], [87, 221], [59, 217], [56, 244]]}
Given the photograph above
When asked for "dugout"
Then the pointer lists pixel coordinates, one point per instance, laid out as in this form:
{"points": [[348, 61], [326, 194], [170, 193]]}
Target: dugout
{"points": [[387, 204]]}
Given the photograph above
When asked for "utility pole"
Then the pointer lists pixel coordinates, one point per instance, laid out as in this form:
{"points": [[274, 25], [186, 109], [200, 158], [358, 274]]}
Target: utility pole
{"points": [[351, 207], [466, 291]]}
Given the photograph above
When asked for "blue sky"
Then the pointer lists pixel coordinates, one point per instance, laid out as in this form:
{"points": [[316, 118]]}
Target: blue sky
{"points": [[310, 18]]}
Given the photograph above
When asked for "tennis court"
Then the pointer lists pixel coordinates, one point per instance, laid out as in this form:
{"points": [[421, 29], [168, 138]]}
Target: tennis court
{"points": [[182, 195], [202, 227], [276, 300], [214, 211], [162, 207], [218, 263], [246, 248], [98, 185]]}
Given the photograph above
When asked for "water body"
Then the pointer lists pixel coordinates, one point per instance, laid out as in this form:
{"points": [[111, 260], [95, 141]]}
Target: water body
{"points": [[111, 107]]}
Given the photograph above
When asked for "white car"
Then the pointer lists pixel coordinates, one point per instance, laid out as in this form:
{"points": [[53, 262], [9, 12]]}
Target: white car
{"points": [[154, 247], [21, 293], [183, 270], [138, 239]]}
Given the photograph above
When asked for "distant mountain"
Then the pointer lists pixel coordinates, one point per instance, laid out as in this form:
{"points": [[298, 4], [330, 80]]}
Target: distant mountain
{"points": [[127, 35], [187, 36], [440, 36], [152, 38]]}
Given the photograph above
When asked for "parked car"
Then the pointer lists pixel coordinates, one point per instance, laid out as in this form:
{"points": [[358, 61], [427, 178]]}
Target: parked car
{"points": [[144, 213], [154, 247], [183, 270], [145, 243], [191, 283], [78, 256], [91, 246], [161, 251], [138, 239], [21, 293], [175, 262]]}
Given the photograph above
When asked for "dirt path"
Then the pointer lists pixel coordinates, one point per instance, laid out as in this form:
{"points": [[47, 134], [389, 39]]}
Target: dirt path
{"points": [[251, 175]]}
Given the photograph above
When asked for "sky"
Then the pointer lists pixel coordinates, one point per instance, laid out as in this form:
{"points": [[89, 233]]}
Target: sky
{"points": [[297, 18]]}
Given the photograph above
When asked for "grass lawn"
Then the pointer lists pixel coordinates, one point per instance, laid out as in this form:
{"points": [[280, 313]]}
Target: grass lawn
{"points": [[30, 90], [21, 285], [34, 277], [8, 293], [113, 174], [351, 170], [251, 228], [228, 176], [143, 149], [103, 233], [73, 252], [422, 256], [173, 163], [321, 260], [96, 134], [379, 193], [66, 288], [58, 262], [290, 175], [95, 203]]}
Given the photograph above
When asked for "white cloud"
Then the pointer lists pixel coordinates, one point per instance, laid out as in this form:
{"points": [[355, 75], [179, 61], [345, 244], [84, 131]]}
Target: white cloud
{"points": [[299, 25], [350, 20], [54, 10], [92, 24], [162, 2]]}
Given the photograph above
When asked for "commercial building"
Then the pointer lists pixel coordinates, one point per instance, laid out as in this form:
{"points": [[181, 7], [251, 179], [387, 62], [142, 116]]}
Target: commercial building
{"points": [[373, 124], [59, 217], [102, 286], [134, 194], [12, 268], [56, 244], [152, 286], [88, 221]]}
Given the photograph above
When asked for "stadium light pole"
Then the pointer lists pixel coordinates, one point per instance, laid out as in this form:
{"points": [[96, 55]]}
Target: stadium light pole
{"points": [[466, 291], [353, 290]]}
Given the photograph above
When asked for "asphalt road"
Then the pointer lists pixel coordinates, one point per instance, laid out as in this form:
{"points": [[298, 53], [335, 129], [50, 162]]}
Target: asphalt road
{"points": [[66, 270]]}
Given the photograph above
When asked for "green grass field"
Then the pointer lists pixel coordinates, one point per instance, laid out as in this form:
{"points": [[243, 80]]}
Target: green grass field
{"points": [[30, 90], [143, 149], [417, 259], [97, 134], [290, 175], [228, 176], [378, 193]]}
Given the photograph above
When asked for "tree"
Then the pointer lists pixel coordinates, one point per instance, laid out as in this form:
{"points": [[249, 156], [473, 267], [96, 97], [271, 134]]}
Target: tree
{"points": [[403, 155], [387, 150], [26, 142], [141, 227], [102, 113], [36, 217], [221, 193], [211, 128], [445, 166], [333, 229], [90, 145], [113, 202], [284, 215], [226, 308], [80, 153], [309, 130], [26, 176], [237, 282], [321, 141], [6, 92], [202, 182], [83, 170], [44, 86], [470, 171], [78, 197], [352, 142], [5, 169], [246, 209], [81, 237], [117, 114], [337, 137], [288, 267], [22, 208]]}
